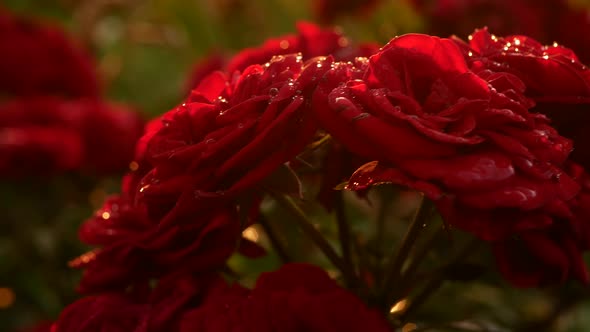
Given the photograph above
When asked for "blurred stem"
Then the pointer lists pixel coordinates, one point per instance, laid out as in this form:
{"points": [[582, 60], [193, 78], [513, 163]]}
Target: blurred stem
{"points": [[344, 239], [308, 228], [408, 275], [276, 243], [393, 273], [385, 197], [438, 279]]}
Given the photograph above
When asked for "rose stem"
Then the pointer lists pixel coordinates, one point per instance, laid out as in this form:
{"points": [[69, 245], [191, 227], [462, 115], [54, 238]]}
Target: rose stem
{"points": [[344, 237], [393, 273], [415, 261], [308, 228], [437, 280], [276, 243], [380, 232]]}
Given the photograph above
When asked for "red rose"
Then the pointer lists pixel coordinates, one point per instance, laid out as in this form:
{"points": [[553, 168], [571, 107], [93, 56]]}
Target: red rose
{"points": [[469, 143], [553, 76], [48, 134], [35, 150], [39, 58], [224, 140], [135, 248], [229, 136], [297, 297]]}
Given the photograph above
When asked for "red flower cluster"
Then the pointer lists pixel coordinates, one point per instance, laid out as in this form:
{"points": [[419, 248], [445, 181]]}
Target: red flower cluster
{"points": [[51, 116], [467, 124], [197, 160]]}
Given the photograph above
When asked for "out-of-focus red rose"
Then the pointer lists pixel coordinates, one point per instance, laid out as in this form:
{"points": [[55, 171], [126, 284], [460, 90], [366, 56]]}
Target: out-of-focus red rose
{"points": [[327, 10], [35, 150], [469, 143], [554, 78], [38, 58], [297, 297], [110, 133], [552, 21], [41, 135]]}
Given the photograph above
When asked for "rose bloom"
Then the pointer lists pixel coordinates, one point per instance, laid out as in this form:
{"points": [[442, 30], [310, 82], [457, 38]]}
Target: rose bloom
{"points": [[43, 135], [229, 135], [135, 248], [63, 69], [554, 78], [297, 297], [311, 41], [468, 142]]}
